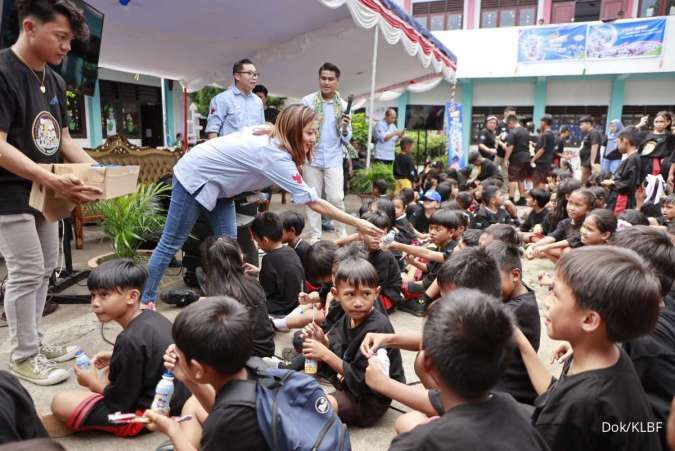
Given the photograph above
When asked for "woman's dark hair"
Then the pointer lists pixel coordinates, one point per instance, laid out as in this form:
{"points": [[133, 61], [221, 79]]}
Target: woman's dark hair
{"points": [[118, 275], [604, 220], [565, 187], [215, 331], [667, 115], [468, 336], [504, 233], [357, 272], [46, 10], [386, 206], [634, 217], [320, 259]]}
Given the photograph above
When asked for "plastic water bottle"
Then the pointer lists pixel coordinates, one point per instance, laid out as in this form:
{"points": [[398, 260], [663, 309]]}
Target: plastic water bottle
{"points": [[82, 360], [384, 360], [163, 393], [311, 365], [389, 238]]}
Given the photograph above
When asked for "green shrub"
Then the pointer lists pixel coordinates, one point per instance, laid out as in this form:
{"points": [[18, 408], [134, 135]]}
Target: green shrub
{"points": [[362, 182]]}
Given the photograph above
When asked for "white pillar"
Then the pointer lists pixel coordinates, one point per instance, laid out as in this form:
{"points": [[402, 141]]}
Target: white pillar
{"points": [[372, 96]]}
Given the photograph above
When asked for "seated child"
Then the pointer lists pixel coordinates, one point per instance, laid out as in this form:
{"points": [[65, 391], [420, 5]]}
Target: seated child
{"points": [[385, 263], [566, 233], [431, 201], [626, 180], [356, 287], [600, 194], [281, 273], [492, 211], [668, 210], [293, 223], [213, 343], [653, 355], [225, 277], [469, 268], [131, 370], [500, 232], [522, 302], [467, 339], [444, 230], [405, 231], [536, 224], [602, 296], [598, 227], [470, 238], [483, 168], [380, 188], [18, 418]]}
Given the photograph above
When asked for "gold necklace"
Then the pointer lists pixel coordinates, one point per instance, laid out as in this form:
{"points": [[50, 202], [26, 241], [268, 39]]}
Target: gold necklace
{"points": [[43, 89]]}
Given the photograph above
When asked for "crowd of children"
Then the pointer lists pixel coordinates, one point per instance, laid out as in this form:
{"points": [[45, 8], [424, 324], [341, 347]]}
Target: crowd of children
{"points": [[451, 250]]}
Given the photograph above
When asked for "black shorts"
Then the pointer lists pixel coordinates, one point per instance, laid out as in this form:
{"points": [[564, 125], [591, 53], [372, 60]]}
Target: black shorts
{"points": [[364, 412], [92, 415], [519, 172], [541, 173]]}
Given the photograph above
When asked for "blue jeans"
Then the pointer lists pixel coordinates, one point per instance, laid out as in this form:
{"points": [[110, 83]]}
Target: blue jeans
{"points": [[182, 215], [610, 165]]}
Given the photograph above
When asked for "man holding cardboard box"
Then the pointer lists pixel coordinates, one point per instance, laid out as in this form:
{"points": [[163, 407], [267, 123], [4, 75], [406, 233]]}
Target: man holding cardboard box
{"points": [[33, 131]]}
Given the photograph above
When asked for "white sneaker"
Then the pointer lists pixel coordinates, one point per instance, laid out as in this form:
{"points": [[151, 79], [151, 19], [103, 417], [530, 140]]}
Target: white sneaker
{"points": [[58, 353], [39, 371]]}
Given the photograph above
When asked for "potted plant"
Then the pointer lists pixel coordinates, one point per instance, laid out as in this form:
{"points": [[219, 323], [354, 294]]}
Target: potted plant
{"points": [[131, 220]]}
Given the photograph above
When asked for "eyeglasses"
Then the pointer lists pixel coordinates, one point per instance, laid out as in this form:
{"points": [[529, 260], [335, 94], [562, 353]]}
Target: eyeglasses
{"points": [[250, 73]]}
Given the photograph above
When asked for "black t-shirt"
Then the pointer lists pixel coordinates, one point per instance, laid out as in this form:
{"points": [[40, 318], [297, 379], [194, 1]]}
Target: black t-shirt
{"points": [[302, 248], [487, 170], [567, 230], [404, 167], [547, 141], [626, 180], [345, 342], [515, 380], [519, 138], [420, 221], [18, 418], [282, 277], [232, 425], [389, 274], [433, 267], [271, 115], [572, 413], [653, 357], [487, 138], [405, 231], [137, 363], [502, 134], [484, 218], [534, 218], [498, 423], [593, 137], [33, 122]]}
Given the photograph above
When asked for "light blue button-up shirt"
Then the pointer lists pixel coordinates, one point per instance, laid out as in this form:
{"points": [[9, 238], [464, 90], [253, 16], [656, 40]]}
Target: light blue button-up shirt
{"points": [[328, 151], [384, 150], [230, 165], [232, 110]]}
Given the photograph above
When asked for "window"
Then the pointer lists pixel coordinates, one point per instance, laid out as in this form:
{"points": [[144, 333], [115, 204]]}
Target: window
{"points": [[439, 14], [650, 8], [632, 114], [507, 13], [77, 122], [570, 115]]}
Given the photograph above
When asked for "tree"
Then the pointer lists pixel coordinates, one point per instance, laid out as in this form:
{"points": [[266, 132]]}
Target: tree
{"points": [[202, 98]]}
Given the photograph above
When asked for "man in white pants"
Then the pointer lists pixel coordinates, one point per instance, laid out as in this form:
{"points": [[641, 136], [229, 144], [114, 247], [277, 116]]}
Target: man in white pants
{"points": [[324, 173]]}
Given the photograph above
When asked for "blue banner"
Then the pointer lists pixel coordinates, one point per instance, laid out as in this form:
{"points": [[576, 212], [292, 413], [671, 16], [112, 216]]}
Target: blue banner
{"points": [[457, 157], [555, 43], [637, 38]]}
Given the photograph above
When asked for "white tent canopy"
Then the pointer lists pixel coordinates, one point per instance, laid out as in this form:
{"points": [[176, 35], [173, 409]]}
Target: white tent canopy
{"points": [[197, 41]]}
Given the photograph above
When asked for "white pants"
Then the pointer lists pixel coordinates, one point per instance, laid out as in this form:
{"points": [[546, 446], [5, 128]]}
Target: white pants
{"points": [[330, 181]]}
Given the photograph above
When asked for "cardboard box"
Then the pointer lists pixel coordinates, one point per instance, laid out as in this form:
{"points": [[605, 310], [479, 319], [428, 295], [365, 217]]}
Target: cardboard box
{"points": [[113, 181]]}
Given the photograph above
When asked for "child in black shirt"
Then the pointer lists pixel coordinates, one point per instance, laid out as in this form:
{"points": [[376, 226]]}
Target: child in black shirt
{"points": [[467, 338], [356, 286], [213, 343], [18, 418], [384, 262], [483, 169], [405, 171], [131, 370], [293, 224], [405, 231], [492, 211], [536, 225], [626, 179], [601, 296], [522, 302], [281, 273]]}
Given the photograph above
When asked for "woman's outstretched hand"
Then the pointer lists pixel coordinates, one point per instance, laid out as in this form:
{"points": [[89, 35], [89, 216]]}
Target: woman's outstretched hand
{"points": [[367, 228]]}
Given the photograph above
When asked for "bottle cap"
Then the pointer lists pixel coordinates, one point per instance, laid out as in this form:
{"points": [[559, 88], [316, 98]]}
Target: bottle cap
{"points": [[79, 353], [168, 375]]}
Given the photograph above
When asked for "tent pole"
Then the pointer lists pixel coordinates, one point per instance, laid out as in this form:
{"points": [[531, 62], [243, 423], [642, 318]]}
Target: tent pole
{"points": [[372, 97], [185, 119]]}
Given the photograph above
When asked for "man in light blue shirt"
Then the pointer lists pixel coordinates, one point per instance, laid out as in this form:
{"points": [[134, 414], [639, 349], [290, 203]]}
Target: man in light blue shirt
{"points": [[386, 135], [324, 173], [237, 107]]}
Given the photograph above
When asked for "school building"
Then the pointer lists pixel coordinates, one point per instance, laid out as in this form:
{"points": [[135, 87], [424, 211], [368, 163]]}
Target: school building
{"points": [[484, 34]]}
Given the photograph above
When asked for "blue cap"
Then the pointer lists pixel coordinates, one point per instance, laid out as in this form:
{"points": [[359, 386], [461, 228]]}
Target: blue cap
{"points": [[432, 195]]}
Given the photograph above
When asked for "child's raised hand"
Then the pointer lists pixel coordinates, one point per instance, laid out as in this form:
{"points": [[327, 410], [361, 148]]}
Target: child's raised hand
{"points": [[313, 331], [375, 376], [561, 353], [161, 423], [372, 342], [102, 359], [86, 378], [171, 363], [314, 349]]}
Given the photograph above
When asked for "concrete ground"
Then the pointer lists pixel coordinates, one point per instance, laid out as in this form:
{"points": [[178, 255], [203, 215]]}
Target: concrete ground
{"points": [[75, 324]]}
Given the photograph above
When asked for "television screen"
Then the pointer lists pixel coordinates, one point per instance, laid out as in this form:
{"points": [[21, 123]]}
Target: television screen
{"points": [[80, 67], [424, 117]]}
